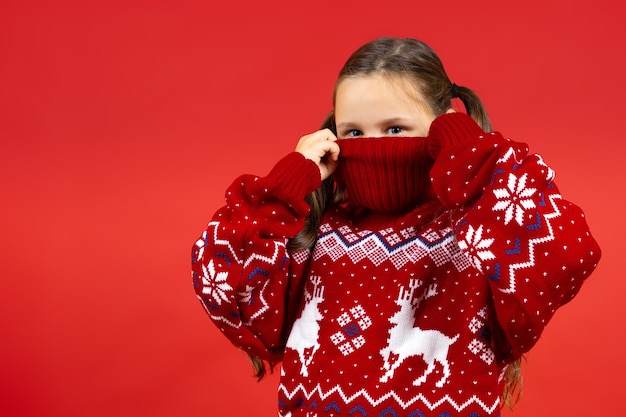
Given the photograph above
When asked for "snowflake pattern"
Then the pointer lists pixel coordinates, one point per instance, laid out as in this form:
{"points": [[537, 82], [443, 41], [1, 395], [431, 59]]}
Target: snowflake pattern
{"points": [[514, 199], [215, 285], [477, 247]]}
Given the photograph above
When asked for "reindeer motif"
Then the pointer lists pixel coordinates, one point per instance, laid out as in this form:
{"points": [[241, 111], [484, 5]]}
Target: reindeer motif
{"points": [[405, 340], [305, 331]]}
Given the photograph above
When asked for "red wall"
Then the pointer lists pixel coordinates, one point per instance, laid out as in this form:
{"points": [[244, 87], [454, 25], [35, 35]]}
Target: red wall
{"points": [[122, 122]]}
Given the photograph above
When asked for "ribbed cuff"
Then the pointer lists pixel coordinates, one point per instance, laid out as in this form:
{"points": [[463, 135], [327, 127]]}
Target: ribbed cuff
{"points": [[449, 129], [295, 176]]}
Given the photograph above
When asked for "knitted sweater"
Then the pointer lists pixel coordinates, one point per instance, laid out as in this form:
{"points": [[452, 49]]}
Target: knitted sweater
{"points": [[415, 314]]}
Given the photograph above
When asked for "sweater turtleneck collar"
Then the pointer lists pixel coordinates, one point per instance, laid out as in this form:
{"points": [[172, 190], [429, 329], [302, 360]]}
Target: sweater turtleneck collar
{"points": [[387, 174]]}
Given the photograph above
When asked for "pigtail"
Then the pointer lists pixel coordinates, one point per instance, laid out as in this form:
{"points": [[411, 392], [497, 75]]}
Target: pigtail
{"points": [[513, 384], [473, 106], [260, 367]]}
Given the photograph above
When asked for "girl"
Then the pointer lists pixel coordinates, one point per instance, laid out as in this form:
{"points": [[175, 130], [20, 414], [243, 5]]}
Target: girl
{"points": [[402, 259]]}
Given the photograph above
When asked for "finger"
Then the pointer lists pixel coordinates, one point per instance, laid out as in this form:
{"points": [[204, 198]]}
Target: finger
{"points": [[332, 152], [328, 149], [324, 135], [330, 135]]}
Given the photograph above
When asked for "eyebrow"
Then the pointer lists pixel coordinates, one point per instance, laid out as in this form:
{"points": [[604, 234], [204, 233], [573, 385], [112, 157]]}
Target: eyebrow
{"points": [[385, 122]]}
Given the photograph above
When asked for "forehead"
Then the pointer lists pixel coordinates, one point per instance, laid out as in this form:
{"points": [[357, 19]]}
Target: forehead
{"points": [[377, 93]]}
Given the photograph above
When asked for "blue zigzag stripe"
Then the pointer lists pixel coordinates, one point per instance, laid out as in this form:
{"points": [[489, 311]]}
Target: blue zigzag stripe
{"points": [[381, 239], [358, 408], [258, 270], [282, 263], [537, 224], [332, 406], [388, 411], [496, 274], [224, 256], [495, 174], [542, 202], [517, 249]]}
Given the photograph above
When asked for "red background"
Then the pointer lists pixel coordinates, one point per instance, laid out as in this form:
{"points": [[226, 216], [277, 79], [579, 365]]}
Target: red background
{"points": [[122, 122]]}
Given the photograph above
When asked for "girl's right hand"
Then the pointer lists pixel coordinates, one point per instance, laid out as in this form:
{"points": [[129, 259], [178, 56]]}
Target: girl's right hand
{"points": [[320, 147]]}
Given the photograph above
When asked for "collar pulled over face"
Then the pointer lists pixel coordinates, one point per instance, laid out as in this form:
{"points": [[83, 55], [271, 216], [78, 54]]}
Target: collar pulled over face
{"points": [[385, 174]]}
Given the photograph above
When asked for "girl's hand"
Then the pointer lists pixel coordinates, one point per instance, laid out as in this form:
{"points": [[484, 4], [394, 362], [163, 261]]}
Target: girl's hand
{"points": [[320, 147]]}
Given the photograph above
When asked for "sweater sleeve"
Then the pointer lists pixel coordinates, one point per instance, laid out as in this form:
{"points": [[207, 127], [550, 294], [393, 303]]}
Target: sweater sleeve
{"points": [[532, 246], [242, 272]]}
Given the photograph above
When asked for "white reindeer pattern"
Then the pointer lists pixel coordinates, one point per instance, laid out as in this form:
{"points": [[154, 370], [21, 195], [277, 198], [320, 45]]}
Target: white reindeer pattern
{"points": [[405, 340], [305, 331]]}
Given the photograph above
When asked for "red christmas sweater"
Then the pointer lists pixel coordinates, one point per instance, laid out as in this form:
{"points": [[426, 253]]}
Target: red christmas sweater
{"points": [[397, 315]]}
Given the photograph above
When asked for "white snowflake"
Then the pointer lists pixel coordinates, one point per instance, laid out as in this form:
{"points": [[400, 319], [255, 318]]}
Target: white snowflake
{"points": [[514, 199], [200, 243], [214, 283], [476, 246]]}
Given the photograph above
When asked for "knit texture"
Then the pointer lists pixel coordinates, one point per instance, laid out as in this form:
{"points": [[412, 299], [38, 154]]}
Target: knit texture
{"points": [[460, 181], [450, 129], [415, 317], [387, 174]]}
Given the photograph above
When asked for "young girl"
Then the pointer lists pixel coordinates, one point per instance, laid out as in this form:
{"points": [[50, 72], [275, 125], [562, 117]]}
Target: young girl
{"points": [[401, 260]]}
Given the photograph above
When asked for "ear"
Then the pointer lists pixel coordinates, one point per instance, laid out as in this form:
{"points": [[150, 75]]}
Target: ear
{"points": [[450, 110]]}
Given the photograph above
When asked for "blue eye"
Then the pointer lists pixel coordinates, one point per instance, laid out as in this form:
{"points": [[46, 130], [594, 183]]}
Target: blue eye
{"points": [[394, 130], [354, 133]]}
